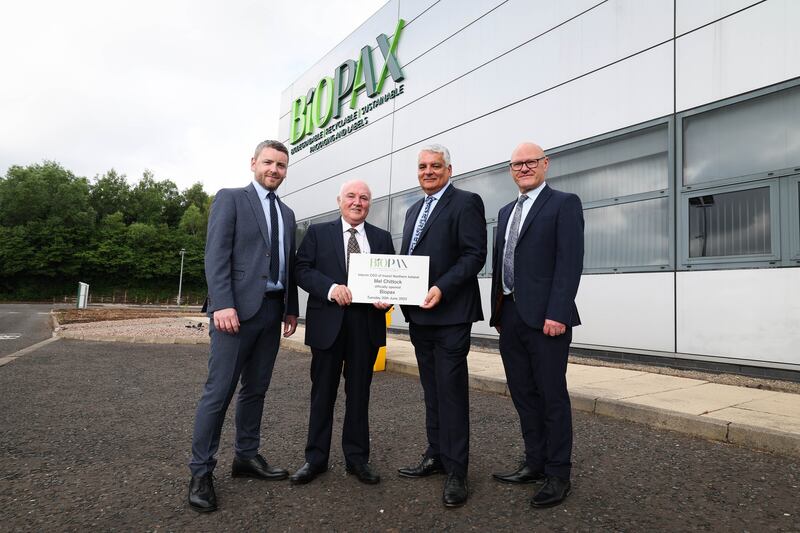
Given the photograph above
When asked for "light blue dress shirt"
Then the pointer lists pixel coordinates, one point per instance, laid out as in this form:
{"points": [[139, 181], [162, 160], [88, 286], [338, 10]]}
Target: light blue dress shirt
{"points": [[436, 197], [262, 195]]}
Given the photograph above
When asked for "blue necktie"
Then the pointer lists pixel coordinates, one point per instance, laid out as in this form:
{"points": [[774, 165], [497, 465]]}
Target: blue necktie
{"points": [[422, 220], [274, 242], [511, 244]]}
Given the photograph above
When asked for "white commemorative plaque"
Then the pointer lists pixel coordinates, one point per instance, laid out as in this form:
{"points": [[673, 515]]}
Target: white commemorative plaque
{"points": [[397, 279]]}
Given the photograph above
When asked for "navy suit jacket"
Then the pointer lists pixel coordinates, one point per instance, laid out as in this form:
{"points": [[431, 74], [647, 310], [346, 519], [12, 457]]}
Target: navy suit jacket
{"points": [[548, 260], [238, 253], [454, 237], [320, 264]]}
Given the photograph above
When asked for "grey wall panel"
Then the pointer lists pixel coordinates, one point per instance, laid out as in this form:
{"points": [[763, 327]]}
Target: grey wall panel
{"points": [[322, 196], [627, 93], [596, 39], [754, 48], [411, 9], [691, 14]]}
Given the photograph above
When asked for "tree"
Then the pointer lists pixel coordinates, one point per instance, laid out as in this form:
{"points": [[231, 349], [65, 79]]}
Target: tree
{"points": [[109, 194]]}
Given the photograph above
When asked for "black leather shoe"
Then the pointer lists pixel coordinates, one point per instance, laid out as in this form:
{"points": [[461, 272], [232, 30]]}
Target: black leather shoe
{"points": [[364, 473], [307, 473], [455, 490], [257, 467], [552, 493], [201, 494], [428, 466], [521, 476]]}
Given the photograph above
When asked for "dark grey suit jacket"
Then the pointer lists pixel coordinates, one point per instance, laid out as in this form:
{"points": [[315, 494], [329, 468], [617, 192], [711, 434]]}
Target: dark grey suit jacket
{"points": [[238, 253]]}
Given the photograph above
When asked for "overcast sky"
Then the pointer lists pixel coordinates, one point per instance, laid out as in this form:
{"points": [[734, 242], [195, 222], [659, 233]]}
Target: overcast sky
{"points": [[182, 88]]}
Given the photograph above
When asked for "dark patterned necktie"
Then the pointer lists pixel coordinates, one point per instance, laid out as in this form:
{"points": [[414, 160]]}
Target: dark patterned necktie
{"points": [[511, 244], [421, 225], [352, 245], [274, 241]]}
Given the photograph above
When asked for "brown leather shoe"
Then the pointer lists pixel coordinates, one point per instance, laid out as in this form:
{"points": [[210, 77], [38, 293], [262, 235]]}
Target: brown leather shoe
{"points": [[427, 467], [258, 468]]}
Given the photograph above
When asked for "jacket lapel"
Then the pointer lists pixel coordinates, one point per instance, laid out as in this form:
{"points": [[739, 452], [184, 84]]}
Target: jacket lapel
{"points": [[335, 235], [258, 211], [544, 195], [408, 229], [438, 208]]}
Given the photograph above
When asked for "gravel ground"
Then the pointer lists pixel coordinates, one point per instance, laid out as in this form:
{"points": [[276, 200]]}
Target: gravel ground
{"points": [[141, 327], [96, 436]]}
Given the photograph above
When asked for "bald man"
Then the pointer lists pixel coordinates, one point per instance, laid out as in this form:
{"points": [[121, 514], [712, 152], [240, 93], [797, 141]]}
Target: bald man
{"points": [[340, 333], [537, 265]]}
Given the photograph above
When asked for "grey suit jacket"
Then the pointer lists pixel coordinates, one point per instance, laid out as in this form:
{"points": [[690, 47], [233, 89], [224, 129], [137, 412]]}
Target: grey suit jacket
{"points": [[238, 253]]}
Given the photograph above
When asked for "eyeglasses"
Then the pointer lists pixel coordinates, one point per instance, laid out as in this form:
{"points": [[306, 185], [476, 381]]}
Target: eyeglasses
{"points": [[530, 163]]}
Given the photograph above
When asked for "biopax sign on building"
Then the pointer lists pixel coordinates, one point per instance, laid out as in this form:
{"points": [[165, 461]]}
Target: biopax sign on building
{"points": [[325, 101]]}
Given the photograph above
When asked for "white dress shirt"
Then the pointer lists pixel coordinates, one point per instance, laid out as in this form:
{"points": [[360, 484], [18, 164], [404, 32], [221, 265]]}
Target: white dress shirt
{"points": [[361, 239], [526, 208]]}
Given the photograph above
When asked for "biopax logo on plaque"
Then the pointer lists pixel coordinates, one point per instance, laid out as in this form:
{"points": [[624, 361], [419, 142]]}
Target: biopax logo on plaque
{"points": [[326, 101]]}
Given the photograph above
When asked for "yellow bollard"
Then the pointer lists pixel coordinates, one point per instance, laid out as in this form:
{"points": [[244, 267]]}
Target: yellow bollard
{"points": [[380, 362]]}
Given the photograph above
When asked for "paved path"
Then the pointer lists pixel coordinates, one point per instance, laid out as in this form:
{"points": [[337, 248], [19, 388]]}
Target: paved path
{"points": [[95, 436], [22, 325], [754, 418]]}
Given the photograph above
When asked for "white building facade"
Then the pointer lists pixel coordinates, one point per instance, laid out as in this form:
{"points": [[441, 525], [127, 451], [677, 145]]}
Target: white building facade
{"points": [[677, 122]]}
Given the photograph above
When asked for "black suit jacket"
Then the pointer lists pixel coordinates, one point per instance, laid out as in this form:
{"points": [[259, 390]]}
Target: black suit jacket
{"points": [[238, 253], [454, 238], [548, 260], [320, 264]]}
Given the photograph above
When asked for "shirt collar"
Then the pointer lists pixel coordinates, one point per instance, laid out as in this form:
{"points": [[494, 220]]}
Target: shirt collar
{"points": [[262, 191], [533, 193], [440, 192], [346, 226]]}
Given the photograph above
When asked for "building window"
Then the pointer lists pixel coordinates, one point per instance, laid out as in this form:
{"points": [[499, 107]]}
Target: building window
{"points": [[623, 183], [738, 168], [736, 223], [750, 137]]}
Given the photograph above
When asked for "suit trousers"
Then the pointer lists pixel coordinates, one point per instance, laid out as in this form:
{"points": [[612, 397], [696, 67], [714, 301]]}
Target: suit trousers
{"points": [[353, 351], [536, 368], [442, 359], [249, 355]]}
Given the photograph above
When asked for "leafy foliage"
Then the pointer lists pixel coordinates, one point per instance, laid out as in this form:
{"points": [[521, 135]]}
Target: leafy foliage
{"points": [[57, 229]]}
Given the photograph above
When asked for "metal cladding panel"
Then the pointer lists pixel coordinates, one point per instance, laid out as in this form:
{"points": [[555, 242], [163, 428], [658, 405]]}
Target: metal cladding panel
{"points": [[629, 92], [634, 311], [411, 9], [691, 14], [750, 314], [383, 21], [560, 47], [352, 151], [751, 49], [283, 129], [553, 59], [321, 198]]}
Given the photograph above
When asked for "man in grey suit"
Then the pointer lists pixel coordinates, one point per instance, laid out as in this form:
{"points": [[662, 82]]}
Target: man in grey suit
{"points": [[249, 266]]}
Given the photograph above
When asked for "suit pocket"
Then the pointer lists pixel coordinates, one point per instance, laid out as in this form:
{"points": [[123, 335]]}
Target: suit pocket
{"points": [[237, 274]]}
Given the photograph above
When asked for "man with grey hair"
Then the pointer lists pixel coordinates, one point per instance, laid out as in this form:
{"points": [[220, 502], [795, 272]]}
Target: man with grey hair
{"points": [[449, 226], [340, 333], [249, 266]]}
